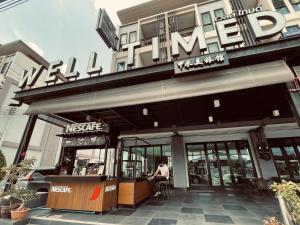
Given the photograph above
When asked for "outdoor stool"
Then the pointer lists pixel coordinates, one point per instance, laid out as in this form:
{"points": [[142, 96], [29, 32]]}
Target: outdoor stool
{"points": [[164, 187]]}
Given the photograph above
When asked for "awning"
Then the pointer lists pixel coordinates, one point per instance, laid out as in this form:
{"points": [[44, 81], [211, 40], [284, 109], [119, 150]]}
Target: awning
{"points": [[177, 88]]}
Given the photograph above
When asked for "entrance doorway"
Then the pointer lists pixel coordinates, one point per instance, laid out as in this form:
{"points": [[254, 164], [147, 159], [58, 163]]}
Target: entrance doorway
{"points": [[219, 164]]}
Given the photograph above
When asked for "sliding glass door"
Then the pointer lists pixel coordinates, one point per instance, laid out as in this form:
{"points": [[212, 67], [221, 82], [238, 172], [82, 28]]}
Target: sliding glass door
{"points": [[219, 164]]}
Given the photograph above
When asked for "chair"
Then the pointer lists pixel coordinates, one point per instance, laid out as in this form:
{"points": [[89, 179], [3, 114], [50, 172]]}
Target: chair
{"points": [[164, 187]]}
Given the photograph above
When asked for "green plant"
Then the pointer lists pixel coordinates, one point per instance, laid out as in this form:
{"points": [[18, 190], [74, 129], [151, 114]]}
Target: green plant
{"points": [[15, 191], [2, 164], [290, 192]]}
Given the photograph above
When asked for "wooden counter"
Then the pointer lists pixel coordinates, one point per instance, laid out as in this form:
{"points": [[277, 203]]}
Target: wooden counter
{"points": [[132, 192], [86, 193]]}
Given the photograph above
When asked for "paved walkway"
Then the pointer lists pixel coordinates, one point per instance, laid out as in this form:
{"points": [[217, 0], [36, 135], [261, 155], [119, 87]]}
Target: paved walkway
{"points": [[184, 208]]}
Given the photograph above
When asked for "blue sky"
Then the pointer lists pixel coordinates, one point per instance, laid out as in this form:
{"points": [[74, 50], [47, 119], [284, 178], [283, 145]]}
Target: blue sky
{"points": [[59, 29]]}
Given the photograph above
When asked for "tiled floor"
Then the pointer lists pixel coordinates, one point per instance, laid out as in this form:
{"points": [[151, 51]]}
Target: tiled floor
{"points": [[184, 208]]}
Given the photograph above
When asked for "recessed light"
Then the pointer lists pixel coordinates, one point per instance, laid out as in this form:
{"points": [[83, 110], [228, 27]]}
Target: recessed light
{"points": [[276, 112], [155, 124], [210, 119], [217, 103], [145, 112]]}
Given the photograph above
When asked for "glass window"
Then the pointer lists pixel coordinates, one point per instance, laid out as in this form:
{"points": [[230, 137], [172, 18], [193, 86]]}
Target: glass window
{"points": [[213, 165], [293, 29], [213, 47], [295, 4], [246, 159], [286, 156], [224, 162], [219, 12], [207, 22], [280, 6], [5, 68], [123, 39], [132, 37], [121, 66]]}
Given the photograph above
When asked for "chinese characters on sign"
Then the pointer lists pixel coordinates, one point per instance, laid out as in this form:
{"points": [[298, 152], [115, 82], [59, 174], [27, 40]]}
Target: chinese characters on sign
{"points": [[201, 62], [83, 141]]}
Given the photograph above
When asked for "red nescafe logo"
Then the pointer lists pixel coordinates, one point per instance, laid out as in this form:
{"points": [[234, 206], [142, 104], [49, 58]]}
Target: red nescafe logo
{"points": [[95, 194]]}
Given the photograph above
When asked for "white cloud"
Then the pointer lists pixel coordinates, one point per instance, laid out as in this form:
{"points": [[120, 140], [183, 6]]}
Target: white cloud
{"points": [[36, 48]]}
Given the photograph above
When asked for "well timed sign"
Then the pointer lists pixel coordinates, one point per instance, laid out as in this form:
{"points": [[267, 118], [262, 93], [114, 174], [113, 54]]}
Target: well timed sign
{"points": [[227, 30]]}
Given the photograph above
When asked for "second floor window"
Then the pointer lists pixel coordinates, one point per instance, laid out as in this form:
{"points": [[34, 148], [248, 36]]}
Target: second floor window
{"points": [[207, 22], [219, 12], [280, 6], [123, 39], [121, 66], [213, 47], [293, 29], [296, 4], [132, 37]]}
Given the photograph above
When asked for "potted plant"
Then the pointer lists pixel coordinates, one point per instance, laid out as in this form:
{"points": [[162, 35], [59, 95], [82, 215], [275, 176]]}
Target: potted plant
{"points": [[288, 194], [16, 193]]}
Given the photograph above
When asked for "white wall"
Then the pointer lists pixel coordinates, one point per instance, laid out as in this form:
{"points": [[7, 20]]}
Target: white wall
{"points": [[12, 126]]}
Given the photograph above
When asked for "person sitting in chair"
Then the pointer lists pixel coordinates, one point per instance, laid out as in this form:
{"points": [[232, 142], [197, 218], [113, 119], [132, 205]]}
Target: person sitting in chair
{"points": [[161, 174]]}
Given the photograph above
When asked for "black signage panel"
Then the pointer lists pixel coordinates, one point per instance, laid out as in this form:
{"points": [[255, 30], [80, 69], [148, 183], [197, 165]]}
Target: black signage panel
{"points": [[106, 29], [203, 62], [83, 141]]}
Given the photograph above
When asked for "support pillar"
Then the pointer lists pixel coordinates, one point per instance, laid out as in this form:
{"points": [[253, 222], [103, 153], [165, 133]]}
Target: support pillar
{"points": [[266, 167], [24, 143], [179, 162]]}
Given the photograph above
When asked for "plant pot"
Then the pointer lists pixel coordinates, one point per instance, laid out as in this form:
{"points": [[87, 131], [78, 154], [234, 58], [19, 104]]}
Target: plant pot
{"points": [[19, 215], [5, 211]]}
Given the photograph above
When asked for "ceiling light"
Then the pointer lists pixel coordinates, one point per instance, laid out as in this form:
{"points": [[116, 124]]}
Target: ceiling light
{"points": [[217, 103], [145, 112], [210, 119], [155, 124], [276, 112]]}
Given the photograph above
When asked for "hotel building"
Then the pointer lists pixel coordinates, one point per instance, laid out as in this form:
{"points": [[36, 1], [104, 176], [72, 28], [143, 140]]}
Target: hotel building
{"points": [[215, 113]]}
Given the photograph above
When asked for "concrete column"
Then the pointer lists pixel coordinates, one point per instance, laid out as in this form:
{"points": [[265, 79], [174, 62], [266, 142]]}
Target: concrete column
{"points": [[179, 162], [265, 168]]}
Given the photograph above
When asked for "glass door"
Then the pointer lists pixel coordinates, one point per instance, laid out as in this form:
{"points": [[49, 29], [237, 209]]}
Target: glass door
{"points": [[197, 165], [214, 164], [219, 163]]}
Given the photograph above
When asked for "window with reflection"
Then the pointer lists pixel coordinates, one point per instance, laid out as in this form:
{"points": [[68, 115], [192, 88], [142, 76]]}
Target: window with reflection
{"points": [[295, 4], [207, 22], [142, 161], [286, 155], [213, 47], [246, 159], [223, 163], [280, 7]]}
